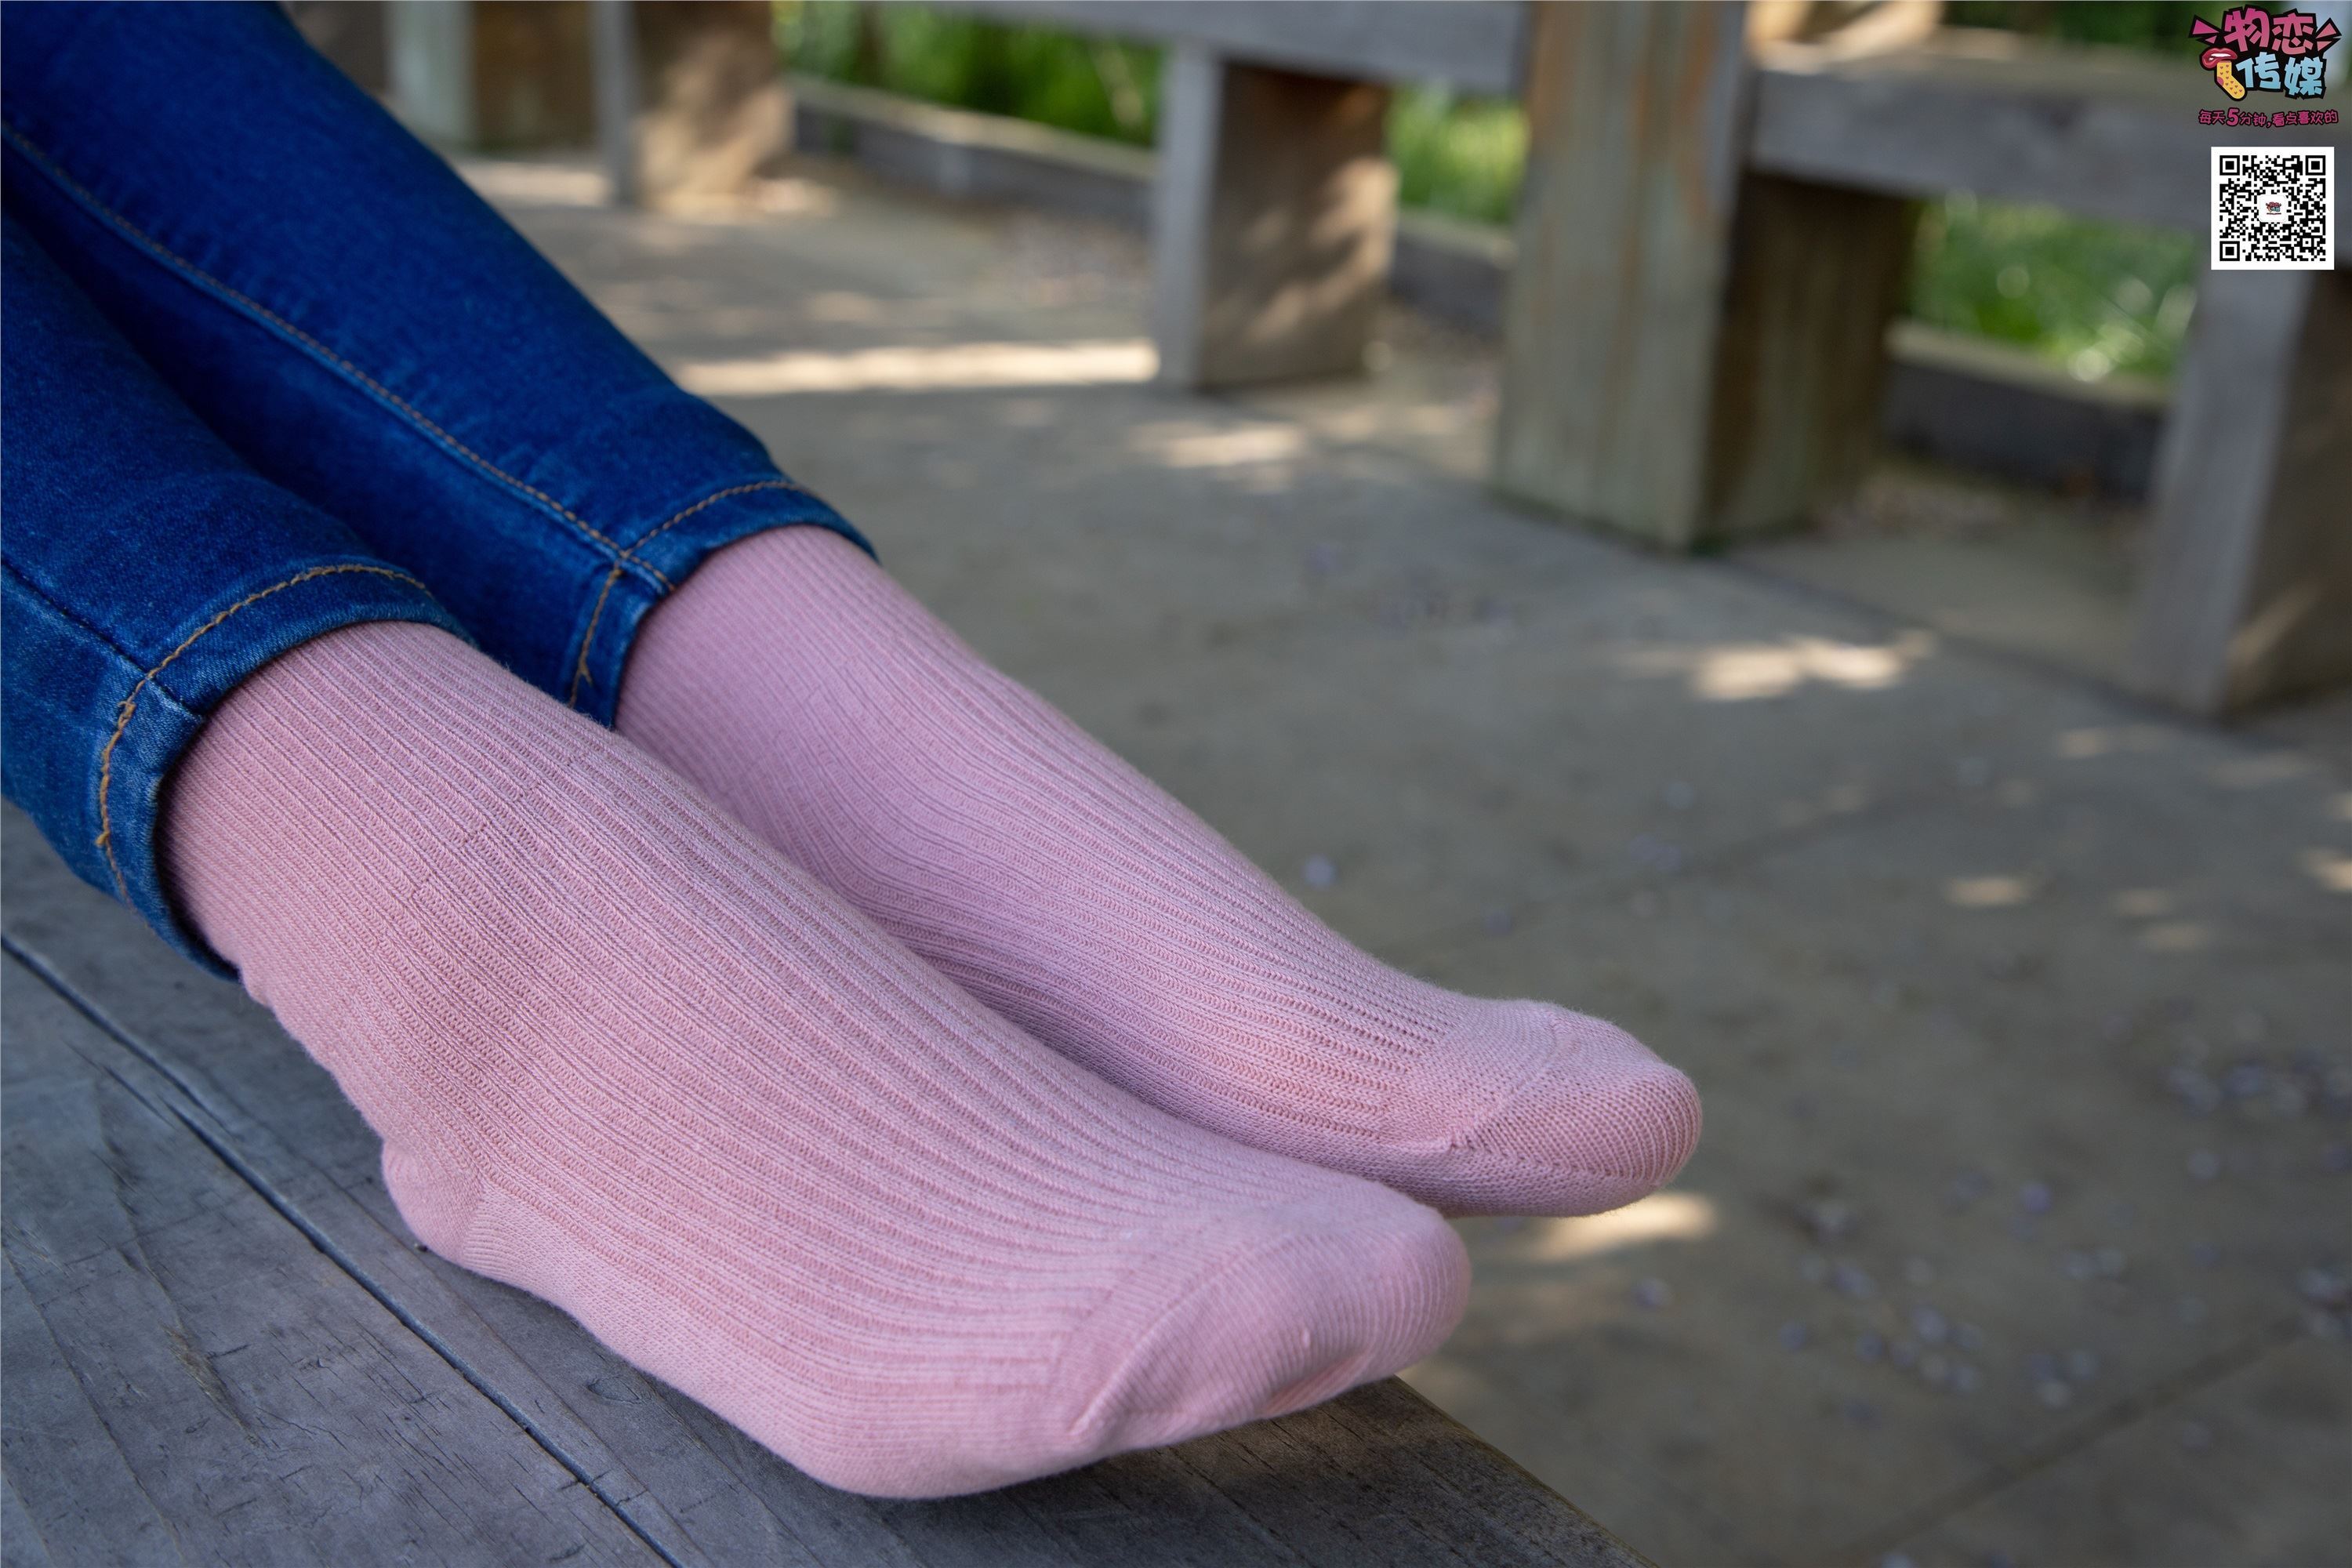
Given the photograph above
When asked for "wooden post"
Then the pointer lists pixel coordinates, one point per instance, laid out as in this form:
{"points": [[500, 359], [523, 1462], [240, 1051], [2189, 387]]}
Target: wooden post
{"points": [[1273, 218], [1689, 353], [492, 73], [1817, 277], [2246, 594], [612, 35], [354, 34], [431, 45], [713, 109]]}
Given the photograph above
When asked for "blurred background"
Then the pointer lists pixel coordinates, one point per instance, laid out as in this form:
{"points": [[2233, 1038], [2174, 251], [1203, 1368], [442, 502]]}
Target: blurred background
{"points": [[1758, 523]]}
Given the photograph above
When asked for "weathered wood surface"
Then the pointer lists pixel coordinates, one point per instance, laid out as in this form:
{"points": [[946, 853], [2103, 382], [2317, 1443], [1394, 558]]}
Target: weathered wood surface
{"points": [[1613, 317], [494, 73], [224, 1346], [2246, 591], [1273, 220], [1816, 280], [189, 1378], [2100, 133], [711, 110], [1473, 45], [976, 157]]}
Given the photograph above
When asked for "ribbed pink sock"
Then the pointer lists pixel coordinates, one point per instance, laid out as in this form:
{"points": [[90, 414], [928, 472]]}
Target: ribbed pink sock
{"points": [[818, 702], [626, 1057]]}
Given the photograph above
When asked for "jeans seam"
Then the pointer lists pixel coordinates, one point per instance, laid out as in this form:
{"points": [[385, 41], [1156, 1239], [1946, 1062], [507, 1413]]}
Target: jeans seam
{"points": [[713, 499], [580, 675], [122, 225], [130, 703], [588, 640]]}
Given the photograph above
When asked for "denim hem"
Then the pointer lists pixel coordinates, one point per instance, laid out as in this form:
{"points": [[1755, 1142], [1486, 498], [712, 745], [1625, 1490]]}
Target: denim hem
{"points": [[131, 770], [673, 549]]}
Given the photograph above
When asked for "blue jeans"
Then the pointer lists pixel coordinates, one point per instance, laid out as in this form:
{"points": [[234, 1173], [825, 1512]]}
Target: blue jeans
{"points": [[271, 369]]}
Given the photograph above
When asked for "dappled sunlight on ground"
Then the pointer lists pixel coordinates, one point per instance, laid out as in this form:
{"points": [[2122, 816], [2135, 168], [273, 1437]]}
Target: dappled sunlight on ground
{"points": [[1662, 1216], [1188, 444], [1743, 672], [946, 368], [1996, 893], [2331, 869]]}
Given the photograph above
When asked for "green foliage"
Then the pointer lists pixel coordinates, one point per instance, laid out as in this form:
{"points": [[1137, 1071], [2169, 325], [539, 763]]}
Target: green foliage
{"points": [[1095, 87], [2096, 297], [1458, 155]]}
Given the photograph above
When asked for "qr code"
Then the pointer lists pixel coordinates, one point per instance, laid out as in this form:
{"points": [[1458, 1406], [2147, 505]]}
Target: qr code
{"points": [[2274, 208]]}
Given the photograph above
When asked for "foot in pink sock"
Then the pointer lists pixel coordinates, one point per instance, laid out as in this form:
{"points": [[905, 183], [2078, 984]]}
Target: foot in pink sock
{"points": [[626, 1057], [816, 700]]}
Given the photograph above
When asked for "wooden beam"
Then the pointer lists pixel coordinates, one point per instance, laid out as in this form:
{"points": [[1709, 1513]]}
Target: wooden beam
{"points": [[1816, 279], [1691, 353], [712, 107], [431, 48], [2101, 132], [1273, 221], [1614, 315], [354, 34], [614, 33], [1472, 45], [2246, 595]]}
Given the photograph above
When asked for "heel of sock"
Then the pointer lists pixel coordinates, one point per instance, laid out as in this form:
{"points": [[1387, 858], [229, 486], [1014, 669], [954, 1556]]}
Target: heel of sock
{"points": [[439, 1203]]}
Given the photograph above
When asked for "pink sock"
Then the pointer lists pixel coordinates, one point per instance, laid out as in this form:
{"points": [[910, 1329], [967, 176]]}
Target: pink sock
{"points": [[818, 702], [627, 1058]]}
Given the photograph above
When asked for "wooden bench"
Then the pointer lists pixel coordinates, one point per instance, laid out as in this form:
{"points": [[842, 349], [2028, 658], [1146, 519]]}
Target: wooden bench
{"points": [[1712, 240], [222, 1345]]}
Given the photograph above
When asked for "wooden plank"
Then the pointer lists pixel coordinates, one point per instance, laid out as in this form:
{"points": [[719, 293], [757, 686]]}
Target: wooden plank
{"points": [[1378, 1476], [612, 39], [1614, 313], [2104, 134], [2246, 594], [20, 1539], [1473, 45], [533, 83], [190, 1379], [354, 34], [1816, 279], [975, 157], [1273, 221], [713, 108], [431, 50]]}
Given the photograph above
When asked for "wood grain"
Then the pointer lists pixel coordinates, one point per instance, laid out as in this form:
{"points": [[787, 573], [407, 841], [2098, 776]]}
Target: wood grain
{"points": [[2101, 132], [2246, 593], [211, 1306], [189, 1380], [1613, 316], [1273, 217]]}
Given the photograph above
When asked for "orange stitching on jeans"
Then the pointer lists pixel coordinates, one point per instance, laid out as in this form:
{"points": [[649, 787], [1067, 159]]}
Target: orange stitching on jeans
{"points": [[715, 499], [170, 258], [588, 640], [580, 671], [130, 704]]}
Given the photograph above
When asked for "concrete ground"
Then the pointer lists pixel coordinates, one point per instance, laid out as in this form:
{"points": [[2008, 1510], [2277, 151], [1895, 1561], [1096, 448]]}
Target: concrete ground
{"points": [[2021, 1227]]}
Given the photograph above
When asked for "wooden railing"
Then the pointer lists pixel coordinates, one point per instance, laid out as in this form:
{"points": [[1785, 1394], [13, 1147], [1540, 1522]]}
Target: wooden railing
{"points": [[1712, 237]]}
